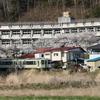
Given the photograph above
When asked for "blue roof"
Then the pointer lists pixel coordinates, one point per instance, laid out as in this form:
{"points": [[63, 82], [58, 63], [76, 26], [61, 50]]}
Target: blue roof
{"points": [[94, 59]]}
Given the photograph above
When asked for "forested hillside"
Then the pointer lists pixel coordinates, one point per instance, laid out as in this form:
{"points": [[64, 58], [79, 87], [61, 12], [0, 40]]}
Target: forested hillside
{"points": [[47, 10]]}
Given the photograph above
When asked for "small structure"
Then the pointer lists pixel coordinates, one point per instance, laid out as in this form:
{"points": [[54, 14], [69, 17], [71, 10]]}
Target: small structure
{"points": [[66, 18], [93, 64], [94, 51]]}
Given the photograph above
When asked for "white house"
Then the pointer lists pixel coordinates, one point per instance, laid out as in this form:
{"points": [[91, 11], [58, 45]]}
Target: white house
{"points": [[65, 54]]}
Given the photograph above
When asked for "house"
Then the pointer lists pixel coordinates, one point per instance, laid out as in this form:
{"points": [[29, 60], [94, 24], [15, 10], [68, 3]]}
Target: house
{"points": [[94, 51], [93, 64], [62, 54]]}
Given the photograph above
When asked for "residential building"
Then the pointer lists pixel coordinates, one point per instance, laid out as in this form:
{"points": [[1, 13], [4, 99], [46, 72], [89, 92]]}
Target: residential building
{"points": [[64, 55], [94, 51]]}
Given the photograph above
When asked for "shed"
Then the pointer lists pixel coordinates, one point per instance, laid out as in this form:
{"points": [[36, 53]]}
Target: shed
{"points": [[93, 63]]}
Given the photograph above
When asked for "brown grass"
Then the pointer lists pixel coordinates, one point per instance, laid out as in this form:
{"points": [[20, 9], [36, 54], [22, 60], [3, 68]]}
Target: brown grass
{"points": [[32, 76], [47, 77]]}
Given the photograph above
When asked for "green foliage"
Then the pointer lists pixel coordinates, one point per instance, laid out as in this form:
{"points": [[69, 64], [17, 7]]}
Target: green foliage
{"points": [[57, 65]]}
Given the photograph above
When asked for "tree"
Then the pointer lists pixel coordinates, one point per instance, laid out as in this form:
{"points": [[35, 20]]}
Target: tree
{"points": [[96, 12]]}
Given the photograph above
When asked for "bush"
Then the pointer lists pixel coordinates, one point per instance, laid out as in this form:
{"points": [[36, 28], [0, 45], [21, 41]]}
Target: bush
{"points": [[57, 64]]}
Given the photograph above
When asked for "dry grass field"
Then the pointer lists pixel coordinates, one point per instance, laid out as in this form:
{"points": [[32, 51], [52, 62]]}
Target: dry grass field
{"points": [[70, 84]]}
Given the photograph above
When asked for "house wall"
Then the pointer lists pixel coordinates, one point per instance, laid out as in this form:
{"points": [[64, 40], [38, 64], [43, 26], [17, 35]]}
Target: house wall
{"points": [[94, 65], [47, 55], [64, 56], [56, 56], [38, 55]]}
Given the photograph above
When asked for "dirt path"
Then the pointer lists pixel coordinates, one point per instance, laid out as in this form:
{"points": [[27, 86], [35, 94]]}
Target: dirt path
{"points": [[60, 92]]}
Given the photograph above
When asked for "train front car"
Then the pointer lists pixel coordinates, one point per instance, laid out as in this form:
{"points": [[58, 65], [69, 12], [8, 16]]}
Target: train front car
{"points": [[40, 63], [44, 63]]}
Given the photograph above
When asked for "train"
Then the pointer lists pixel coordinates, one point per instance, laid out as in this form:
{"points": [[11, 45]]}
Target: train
{"points": [[40, 63]]}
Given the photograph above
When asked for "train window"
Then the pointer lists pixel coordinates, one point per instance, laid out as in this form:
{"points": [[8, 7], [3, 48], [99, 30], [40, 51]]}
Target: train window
{"points": [[5, 62], [29, 62], [42, 62]]}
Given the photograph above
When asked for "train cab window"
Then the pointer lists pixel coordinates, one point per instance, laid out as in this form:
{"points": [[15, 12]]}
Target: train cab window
{"points": [[29, 62], [5, 62]]}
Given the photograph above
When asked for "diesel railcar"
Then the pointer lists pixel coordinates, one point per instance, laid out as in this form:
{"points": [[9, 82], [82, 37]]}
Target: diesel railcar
{"points": [[40, 63]]}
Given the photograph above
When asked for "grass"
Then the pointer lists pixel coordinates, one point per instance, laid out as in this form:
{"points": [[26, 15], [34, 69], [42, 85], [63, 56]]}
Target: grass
{"points": [[50, 86], [50, 98]]}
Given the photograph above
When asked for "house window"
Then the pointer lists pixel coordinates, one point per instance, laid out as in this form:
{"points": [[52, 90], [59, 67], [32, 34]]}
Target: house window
{"points": [[47, 31], [81, 29], [42, 55], [5, 41], [57, 31], [16, 32], [27, 41], [7, 32], [36, 31], [74, 30], [67, 31], [90, 29], [55, 54], [26, 31], [97, 28]]}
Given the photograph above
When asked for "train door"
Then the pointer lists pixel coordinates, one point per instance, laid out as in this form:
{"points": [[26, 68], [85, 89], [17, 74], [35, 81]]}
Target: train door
{"points": [[20, 64], [49, 64], [42, 63], [38, 64]]}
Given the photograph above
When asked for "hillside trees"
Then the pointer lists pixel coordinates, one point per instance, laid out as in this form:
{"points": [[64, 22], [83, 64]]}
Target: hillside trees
{"points": [[41, 10]]}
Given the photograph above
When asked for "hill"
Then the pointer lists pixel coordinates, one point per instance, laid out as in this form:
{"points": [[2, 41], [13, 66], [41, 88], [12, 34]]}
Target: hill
{"points": [[46, 10]]}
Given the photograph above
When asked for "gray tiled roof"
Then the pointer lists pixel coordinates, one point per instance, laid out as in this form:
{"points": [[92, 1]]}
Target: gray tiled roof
{"points": [[94, 47]]}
